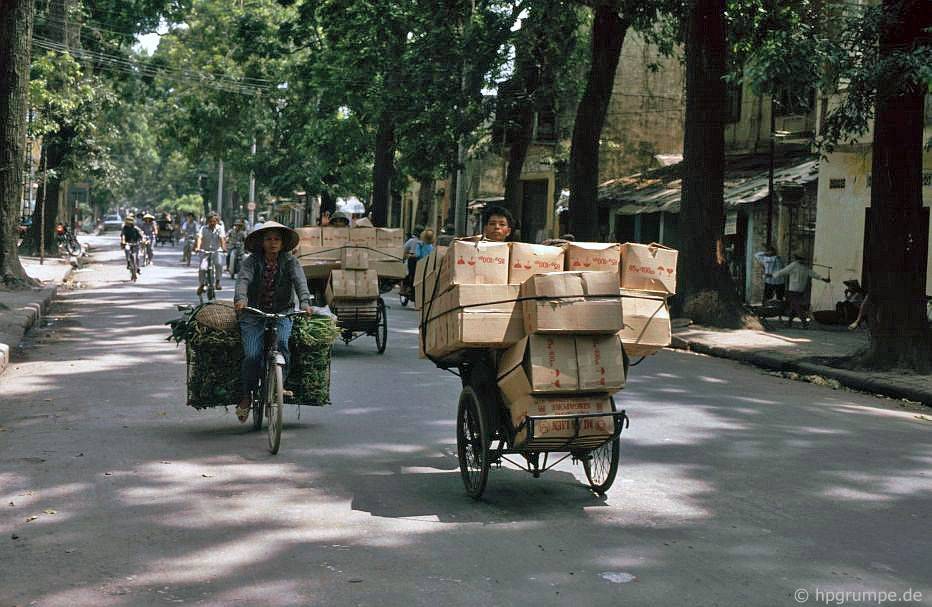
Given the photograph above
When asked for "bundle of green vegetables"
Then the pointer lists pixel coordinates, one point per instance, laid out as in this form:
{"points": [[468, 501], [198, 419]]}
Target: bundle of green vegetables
{"points": [[311, 341], [215, 356]]}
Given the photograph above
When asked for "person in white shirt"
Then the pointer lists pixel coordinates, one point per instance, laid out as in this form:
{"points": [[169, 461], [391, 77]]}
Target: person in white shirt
{"points": [[798, 276], [774, 288]]}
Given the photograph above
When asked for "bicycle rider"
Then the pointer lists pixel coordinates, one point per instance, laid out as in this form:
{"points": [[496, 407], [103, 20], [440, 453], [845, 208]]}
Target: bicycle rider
{"points": [[189, 229], [268, 280], [235, 240], [211, 238], [131, 235], [151, 231]]}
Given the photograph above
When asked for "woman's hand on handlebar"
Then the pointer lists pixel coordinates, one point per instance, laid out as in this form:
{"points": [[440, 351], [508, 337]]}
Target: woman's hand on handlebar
{"points": [[239, 305]]}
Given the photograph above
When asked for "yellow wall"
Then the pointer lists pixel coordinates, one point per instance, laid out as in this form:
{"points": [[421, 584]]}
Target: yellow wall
{"points": [[839, 240]]}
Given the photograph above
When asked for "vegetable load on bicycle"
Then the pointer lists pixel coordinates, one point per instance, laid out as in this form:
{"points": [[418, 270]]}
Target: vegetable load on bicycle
{"points": [[348, 268], [541, 336]]}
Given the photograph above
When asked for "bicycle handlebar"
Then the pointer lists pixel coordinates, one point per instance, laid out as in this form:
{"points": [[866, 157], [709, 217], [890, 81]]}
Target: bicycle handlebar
{"points": [[273, 316]]}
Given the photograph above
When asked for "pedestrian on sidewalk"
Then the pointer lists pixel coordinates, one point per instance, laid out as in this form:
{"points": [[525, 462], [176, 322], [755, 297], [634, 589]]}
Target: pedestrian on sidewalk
{"points": [[799, 277], [774, 288]]}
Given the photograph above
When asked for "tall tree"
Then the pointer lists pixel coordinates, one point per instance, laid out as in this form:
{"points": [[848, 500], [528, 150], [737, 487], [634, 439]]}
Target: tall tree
{"points": [[608, 35], [706, 291], [899, 225], [16, 18]]}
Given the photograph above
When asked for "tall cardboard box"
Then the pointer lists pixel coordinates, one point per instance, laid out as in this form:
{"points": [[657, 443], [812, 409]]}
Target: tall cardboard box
{"points": [[647, 323], [425, 276], [593, 257], [521, 403], [525, 260], [648, 267], [572, 302], [389, 237], [310, 236], [364, 237], [472, 316], [474, 262], [355, 258], [334, 238], [601, 363]]}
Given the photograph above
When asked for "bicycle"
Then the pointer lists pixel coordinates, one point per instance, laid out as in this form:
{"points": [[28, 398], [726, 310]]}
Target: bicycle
{"points": [[131, 250], [186, 250], [148, 254], [235, 259], [211, 275], [268, 399]]}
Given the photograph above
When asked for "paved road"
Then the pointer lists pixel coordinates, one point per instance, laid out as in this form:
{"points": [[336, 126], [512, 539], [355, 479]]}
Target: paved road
{"points": [[736, 488]]}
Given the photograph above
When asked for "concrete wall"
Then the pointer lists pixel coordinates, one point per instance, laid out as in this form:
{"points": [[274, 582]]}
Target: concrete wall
{"points": [[750, 134], [840, 225]]}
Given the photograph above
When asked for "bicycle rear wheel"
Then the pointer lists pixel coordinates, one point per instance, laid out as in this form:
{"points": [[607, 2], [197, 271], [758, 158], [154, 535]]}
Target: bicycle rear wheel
{"points": [[275, 403], [211, 284]]}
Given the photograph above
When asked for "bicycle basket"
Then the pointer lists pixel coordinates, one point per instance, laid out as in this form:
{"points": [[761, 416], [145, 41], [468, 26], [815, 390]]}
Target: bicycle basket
{"points": [[218, 315]]}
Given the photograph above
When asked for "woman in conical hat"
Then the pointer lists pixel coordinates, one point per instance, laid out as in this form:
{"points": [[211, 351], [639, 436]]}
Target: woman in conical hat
{"points": [[268, 280]]}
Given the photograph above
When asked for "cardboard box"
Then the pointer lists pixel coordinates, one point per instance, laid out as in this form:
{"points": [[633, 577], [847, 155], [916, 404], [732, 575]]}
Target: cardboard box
{"points": [[647, 323], [389, 269], [389, 237], [310, 236], [472, 316], [387, 253], [525, 260], [567, 363], [318, 268], [334, 238], [516, 391], [355, 258], [473, 262], [352, 284], [648, 267], [572, 302], [365, 237], [593, 256]]}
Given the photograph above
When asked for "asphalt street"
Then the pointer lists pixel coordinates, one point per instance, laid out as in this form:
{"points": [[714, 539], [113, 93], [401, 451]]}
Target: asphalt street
{"points": [[736, 487]]}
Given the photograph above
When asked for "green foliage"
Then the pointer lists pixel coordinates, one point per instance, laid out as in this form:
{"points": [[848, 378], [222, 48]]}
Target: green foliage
{"points": [[189, 203]]}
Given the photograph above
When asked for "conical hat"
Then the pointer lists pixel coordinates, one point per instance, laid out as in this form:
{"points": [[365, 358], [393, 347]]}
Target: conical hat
{"points": [[290, 238]]}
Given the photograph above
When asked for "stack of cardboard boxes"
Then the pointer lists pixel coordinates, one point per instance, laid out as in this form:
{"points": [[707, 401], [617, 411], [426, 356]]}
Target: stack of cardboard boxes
{"points": [[563, 315], [321, 250]]}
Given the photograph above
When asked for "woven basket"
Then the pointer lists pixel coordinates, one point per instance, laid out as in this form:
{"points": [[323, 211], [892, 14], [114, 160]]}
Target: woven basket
{"points": [[218, 315]]}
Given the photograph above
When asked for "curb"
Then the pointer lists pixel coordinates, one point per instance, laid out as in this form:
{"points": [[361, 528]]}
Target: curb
{"points": [[30, 316], [849, 379]]}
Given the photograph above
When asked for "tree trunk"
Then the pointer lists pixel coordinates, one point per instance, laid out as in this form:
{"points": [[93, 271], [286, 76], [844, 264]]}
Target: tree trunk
{"points": [[425, 204], [517, 151], [54, 152], [383, 169], [707, 293], [899, 230], [608, 35], [16, 18], [328, 202]]}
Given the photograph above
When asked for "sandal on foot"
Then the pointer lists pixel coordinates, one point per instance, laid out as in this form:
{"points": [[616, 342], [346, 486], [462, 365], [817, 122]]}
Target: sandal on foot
{"points": [[242, 413]]}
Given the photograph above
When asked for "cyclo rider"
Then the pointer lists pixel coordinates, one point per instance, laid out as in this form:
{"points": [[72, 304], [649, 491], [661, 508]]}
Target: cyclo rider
{"points": [[498, 224], [131, 235], [212, 238], [268, 280]]}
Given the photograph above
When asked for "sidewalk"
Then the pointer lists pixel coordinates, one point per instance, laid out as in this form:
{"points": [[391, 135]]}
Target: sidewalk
{"points": [[21, 310], [804, 352]]}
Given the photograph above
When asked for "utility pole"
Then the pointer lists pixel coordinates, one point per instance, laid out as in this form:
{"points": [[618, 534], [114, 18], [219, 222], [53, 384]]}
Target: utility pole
{"points": [[251, 203], [220, 189]]}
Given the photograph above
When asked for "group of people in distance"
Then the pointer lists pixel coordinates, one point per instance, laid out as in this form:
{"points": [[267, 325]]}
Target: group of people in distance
{"points": [[791, 284]]}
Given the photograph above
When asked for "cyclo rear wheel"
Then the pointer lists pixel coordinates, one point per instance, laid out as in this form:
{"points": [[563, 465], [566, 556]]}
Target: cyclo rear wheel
{"points": [[472, 443], [275, 403], [601, 464]]}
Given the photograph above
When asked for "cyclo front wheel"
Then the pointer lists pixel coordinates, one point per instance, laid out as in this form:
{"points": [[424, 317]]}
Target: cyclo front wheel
{"points": [[472, 443], [381, 331], [275, 403], [601, 464], [211, 278]]}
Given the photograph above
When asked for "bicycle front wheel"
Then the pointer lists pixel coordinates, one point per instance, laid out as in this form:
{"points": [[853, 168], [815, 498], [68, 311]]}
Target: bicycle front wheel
{"points": [[275, 406]]}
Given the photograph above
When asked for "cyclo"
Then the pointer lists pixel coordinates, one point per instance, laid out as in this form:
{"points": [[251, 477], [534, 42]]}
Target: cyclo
{"points": [[486, 436]]}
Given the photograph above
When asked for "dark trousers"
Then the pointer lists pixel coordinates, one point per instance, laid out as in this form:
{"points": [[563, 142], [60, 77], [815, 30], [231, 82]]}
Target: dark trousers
{"points": [[774, 290]]}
